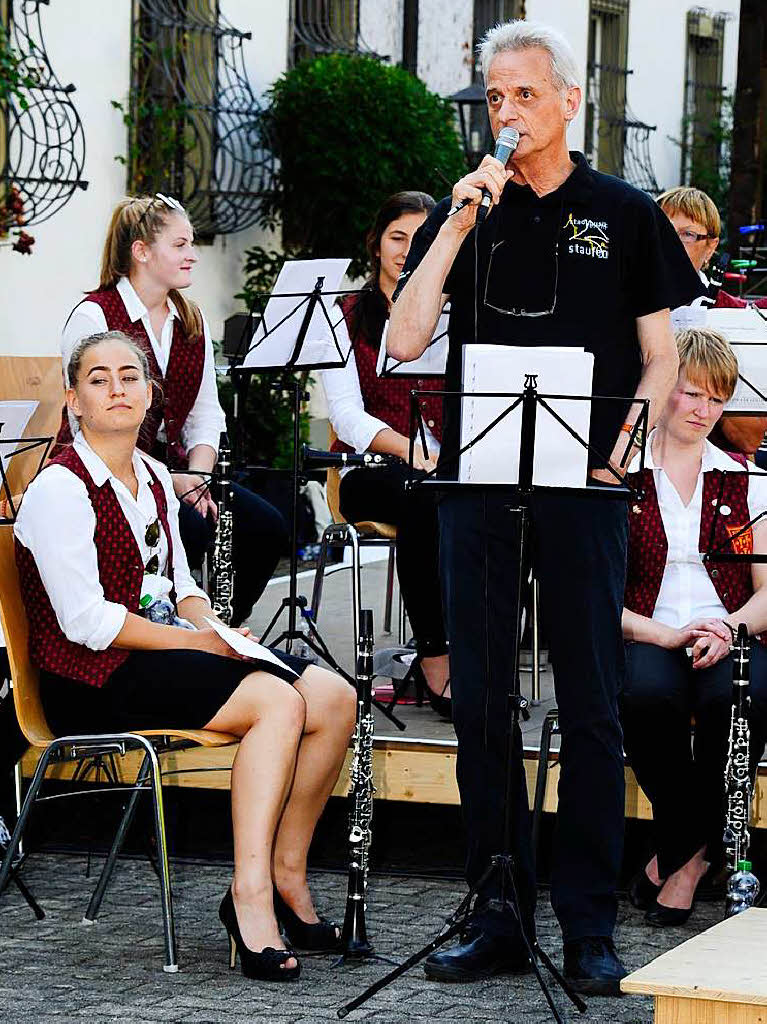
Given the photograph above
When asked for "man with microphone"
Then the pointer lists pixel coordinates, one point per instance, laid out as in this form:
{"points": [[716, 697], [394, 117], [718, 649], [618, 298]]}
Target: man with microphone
{"points": [[565, 256]]}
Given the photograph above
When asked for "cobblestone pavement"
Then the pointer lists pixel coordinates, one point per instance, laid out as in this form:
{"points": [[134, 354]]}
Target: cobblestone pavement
{"points": [[59, 970]]}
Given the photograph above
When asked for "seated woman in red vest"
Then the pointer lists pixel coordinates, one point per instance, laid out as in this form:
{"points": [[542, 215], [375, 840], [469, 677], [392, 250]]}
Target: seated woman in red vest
{"points": [[107, 591], [371, 413], [146, 265], [677, 623], [698, 224]]}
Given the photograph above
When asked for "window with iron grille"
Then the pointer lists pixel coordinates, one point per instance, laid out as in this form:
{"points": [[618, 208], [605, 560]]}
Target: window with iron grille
{"points": [[616, 140], [702, 95], [194, 123], [325, 26], [487, 13], [607, 71], [42, 145]]}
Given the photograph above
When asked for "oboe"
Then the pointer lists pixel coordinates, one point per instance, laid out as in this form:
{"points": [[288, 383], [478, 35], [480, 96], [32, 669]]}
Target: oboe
{"points": [[222, 570], [743, 886], [354, 940], [314, 458]]}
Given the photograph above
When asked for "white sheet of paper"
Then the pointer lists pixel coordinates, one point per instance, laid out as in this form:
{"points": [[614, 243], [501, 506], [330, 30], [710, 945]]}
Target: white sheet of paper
{"points": [[738, 324], [298, 277], [14, 417], [433, 361], [560, 461], [246, 645], [688, 316]]}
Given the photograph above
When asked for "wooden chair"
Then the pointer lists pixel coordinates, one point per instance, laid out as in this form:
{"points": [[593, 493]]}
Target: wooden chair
{"points": [[367, 533], [57, 750]]}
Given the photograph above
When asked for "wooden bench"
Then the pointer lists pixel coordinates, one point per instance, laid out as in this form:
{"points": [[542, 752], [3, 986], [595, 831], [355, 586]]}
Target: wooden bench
{"points": [[717, 977]]}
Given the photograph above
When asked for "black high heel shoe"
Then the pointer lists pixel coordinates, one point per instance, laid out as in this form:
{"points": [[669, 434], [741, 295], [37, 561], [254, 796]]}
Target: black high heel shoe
{"points": [[322, 936], [668, 917], [266, 965], [439, 702], [642, 891]]}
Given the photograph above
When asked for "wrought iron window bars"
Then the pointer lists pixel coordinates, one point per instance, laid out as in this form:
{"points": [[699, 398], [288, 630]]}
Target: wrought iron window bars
{"points": [[44, 151], [325, 26], [195, 124]]}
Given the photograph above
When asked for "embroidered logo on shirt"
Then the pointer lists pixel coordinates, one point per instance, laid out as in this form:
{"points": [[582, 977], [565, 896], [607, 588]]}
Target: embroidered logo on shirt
{"points": [[588, 237], [741, 541]]}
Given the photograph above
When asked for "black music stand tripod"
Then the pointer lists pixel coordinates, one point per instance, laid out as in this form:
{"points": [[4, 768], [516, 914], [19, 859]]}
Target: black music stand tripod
{"points": [[502, 865], [295, 604]]}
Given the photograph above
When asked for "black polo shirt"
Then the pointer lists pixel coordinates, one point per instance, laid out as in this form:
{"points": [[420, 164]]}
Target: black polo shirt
{"points": [[591, 257]]}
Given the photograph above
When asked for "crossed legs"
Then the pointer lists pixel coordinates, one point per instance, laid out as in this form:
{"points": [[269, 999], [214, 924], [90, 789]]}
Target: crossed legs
{"points": [[292, 745]]}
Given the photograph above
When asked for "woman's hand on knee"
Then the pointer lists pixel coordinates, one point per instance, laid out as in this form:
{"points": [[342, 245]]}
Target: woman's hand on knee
{"points": [[708, 650]]}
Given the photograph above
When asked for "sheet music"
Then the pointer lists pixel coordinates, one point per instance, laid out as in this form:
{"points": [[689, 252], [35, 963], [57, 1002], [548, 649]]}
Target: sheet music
{"points": [[247, 646], [14, 418], [432, 363], [744, 325], [276, 333], [559, 459], [747, 333]]}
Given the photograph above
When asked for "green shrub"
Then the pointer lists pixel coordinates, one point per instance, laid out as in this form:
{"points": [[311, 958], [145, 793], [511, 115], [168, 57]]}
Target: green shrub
{"points": [[350, 131]]}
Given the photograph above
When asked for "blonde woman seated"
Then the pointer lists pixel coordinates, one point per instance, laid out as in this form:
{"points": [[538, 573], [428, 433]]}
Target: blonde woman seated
{"points": [[97, 539], [677, 623]]}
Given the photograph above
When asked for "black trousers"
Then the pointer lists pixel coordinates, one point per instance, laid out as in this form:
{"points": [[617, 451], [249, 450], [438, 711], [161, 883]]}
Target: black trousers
{"points": [[683, 777], [260, 539], [380, 494], [579, 554]]}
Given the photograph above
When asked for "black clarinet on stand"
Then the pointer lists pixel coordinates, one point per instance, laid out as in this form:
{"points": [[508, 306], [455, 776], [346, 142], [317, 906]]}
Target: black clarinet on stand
{"points": [[354, 940], [743, 885]]}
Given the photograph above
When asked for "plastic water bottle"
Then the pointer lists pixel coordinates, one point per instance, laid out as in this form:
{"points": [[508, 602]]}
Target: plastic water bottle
{"points": [[742, 889], [302, 648]]}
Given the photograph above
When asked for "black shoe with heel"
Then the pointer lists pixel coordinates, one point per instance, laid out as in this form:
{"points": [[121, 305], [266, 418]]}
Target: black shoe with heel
{"points": [[643, 891], [267, 965], [668, 917], [439, 702], [322, 936]]}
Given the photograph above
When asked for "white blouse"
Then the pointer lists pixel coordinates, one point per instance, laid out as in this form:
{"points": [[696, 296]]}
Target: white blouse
{"points": [[206, 421], [686, 591], [56, 523]]}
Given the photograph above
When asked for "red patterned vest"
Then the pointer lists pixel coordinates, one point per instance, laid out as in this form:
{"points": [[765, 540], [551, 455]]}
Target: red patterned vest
{"points": [[178, 390], [121, 571], [388, 398], [648, 546]]}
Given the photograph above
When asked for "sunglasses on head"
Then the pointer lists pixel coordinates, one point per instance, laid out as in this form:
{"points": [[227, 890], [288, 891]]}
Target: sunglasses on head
{"points": [[169, 201], [152, 539]]}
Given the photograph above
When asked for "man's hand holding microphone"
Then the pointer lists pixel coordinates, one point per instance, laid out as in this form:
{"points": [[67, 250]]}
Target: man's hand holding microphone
{"points": [[476, 193]]}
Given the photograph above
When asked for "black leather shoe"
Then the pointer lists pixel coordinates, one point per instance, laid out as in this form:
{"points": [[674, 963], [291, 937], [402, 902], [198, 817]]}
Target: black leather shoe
{"points": [[642, 891], [667, 917], [592, 966], [478, 956]]}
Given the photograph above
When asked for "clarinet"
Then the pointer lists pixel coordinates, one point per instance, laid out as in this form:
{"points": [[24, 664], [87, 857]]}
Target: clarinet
{"points": [[354, 941], [221, 569], [737, 778], [313, 458]]}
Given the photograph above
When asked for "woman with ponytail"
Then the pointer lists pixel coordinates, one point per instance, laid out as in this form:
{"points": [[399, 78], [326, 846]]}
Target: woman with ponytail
{"points": [[146, 267]]}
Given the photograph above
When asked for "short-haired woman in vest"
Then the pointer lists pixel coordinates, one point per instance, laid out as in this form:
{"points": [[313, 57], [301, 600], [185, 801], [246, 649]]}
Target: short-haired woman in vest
{"points": [[119, 632], [370, 413], [677, 623], [146, 266]]}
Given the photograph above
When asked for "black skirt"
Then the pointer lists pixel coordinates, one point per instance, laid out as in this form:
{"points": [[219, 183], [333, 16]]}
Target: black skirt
{"points": [[152, 690]]}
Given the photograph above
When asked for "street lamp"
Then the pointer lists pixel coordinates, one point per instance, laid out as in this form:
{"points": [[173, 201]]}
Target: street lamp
{"points": [[475, 127]]}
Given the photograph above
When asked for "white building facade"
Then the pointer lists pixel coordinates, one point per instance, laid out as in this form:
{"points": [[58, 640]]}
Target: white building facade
{"points": [[658, 53]]}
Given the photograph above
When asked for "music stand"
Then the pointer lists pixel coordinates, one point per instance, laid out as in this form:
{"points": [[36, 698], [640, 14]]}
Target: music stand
{"points": [[296, 326], [26, 444], [502, 863]]}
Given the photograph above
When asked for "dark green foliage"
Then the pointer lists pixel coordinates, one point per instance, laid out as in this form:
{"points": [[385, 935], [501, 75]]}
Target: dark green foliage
{"points": [[350, 131], [266, 430]]}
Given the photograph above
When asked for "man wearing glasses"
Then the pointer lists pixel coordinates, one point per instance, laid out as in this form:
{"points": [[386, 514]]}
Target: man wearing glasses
{"points": [[567, 256]]}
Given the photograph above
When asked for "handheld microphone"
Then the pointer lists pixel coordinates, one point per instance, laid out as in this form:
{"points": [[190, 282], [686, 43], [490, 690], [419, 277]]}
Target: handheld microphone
{"points": [[505, 145]]}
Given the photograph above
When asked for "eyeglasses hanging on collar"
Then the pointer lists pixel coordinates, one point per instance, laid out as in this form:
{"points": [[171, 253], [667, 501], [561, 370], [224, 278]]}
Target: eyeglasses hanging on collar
{"points": [[152, 539], [509, 271]]}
